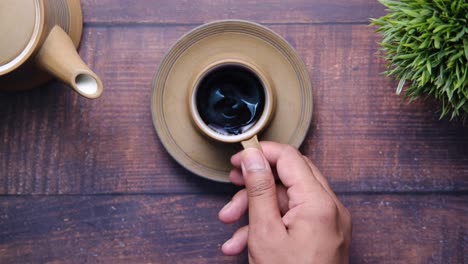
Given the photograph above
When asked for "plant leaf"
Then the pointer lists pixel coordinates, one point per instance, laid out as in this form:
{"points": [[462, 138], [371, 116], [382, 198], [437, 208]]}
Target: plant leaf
{"points": [[400, 86], [458, 36], [437, 42], [429, 67], [426, 47], [465, 47], [439, 28], [405, 56], [410, 12]]}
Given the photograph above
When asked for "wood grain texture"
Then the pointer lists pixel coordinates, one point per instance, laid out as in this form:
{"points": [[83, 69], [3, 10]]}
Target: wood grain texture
{"points": [[201, 11], [185, 229], [363, 137], [114, 195], [112, 229]]}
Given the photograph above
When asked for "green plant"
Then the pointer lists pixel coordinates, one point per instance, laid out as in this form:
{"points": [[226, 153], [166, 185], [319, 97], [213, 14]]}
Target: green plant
{"points": [[426, 46]]}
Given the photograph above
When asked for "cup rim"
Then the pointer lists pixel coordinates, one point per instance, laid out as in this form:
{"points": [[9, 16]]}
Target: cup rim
{"points": [[261, 123]]}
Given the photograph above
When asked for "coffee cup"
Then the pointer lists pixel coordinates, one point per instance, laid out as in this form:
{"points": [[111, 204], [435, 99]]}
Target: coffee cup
{"points": [[232, 101]]}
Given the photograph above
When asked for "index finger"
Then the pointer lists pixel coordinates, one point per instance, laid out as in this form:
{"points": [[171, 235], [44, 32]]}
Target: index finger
{"points": [[291, 168], [293, 171]]}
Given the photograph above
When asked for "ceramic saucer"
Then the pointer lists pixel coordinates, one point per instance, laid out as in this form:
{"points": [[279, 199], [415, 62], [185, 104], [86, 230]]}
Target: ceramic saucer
{"points": [[205, 45]]}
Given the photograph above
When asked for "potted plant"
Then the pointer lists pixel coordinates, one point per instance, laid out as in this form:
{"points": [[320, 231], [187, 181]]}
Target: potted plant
{"points": [[426, 45]]}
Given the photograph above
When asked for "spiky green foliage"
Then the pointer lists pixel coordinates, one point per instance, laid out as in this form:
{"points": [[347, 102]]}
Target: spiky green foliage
{"points": [[426, 46]]}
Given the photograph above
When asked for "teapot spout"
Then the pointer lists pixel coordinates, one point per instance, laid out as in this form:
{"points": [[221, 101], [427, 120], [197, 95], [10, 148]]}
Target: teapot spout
{"points": [[59, 57]]}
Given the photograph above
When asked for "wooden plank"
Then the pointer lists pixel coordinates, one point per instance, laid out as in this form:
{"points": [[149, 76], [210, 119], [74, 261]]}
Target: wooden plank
{"points": [[110, 229], [409, 229], [363, 137], [201, 11], [185, 229]]}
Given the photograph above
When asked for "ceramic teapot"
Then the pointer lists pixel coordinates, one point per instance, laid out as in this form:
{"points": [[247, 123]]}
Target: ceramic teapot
{"points": [[38, 41]]}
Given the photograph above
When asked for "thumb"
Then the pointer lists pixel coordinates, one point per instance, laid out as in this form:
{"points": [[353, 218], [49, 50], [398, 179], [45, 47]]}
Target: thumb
{"points": [[260, 185]]}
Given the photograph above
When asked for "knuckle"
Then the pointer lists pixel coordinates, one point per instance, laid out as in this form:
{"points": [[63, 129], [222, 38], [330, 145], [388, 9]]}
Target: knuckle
{"points": [[348, 227], [261, 187], [328, 211], [265, 239], [347, 217], [263, 231], [341, 241], [344, 237], [290, 150]]}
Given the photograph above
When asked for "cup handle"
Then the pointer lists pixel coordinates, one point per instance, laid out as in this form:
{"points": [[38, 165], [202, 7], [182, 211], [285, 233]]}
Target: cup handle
{"points": [[252, 143]]}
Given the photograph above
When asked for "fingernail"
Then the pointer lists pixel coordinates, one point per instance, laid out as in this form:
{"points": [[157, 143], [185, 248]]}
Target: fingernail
{"points": [[226, 206], [252, 160], [227, 243]]}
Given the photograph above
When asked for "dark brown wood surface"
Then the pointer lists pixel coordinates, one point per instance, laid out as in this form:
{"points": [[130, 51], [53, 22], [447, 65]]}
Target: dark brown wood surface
{"points": [[89, 181], [184, 229]]}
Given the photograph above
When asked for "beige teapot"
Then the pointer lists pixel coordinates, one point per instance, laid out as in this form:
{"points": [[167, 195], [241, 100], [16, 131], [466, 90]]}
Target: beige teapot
{"points": [[38, 41]]}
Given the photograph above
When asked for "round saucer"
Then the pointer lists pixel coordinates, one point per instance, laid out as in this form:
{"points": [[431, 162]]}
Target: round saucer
{"points": [[208, 44]]}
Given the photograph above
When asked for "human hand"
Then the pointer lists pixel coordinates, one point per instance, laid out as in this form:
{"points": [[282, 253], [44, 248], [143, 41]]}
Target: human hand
{"points": [[298, 221]]}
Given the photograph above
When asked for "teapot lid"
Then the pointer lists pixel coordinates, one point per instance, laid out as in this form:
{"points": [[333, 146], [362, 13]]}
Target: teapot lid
{"points": [[19, 27]]}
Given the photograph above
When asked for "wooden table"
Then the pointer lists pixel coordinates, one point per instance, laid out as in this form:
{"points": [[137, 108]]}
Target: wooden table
{"points": [[89, 181]]}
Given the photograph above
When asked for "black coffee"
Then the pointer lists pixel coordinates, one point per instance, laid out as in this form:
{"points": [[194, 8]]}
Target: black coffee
{"points": [[230, 99]]}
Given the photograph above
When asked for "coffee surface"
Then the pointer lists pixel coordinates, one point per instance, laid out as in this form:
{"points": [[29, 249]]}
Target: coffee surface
{"points": [[230, 99]]}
